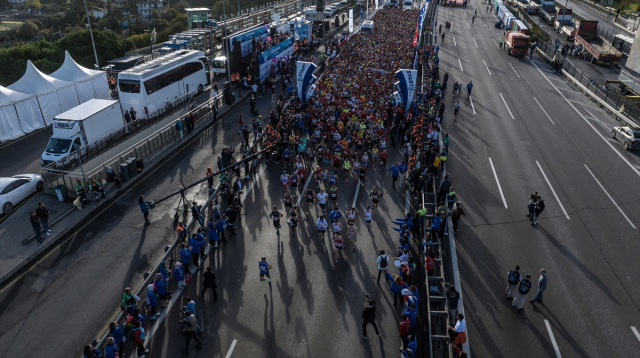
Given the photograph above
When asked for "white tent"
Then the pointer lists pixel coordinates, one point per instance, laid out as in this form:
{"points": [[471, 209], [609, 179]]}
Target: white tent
{"points": [[19, 114], [89, 83], [54, 96]]}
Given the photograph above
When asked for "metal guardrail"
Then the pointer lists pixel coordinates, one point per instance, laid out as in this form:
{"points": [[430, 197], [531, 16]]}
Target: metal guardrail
{"points": [[626, 111]]}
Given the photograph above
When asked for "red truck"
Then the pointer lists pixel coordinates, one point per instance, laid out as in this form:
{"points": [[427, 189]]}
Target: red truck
{"points": [[516, 43], [600, 51]]}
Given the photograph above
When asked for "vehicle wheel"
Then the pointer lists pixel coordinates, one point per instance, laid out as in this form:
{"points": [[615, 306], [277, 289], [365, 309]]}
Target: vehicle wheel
{"points": [[626, 146], [200, 89], [7, 207], [613, 134], [40, 186]]}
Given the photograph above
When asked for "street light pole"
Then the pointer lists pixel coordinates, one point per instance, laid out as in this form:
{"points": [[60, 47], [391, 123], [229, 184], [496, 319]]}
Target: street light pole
{"points": [[91, 33], [224, 42]]}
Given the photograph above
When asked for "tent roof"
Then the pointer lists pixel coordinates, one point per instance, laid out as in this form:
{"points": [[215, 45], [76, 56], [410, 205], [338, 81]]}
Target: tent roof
{"points": [[8, 96], [72, 72], [35, 82]]}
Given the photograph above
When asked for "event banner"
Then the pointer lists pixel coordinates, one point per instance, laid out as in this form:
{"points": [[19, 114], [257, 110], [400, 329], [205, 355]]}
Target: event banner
{"points": [[245, 39], [397, 97], [407, 79], [351, 20], [304, 77], [270, 57]]}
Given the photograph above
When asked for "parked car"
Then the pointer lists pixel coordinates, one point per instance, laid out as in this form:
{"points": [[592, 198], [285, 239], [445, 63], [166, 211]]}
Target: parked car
{"points": [[630, 137], [17, 188]]}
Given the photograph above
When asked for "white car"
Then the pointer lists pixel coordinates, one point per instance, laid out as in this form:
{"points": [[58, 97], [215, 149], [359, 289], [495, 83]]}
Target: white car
{"points": [[17, 188]]}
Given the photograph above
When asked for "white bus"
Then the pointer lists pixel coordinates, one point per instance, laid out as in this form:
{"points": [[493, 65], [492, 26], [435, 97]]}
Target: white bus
{"points": [[153, 84]]}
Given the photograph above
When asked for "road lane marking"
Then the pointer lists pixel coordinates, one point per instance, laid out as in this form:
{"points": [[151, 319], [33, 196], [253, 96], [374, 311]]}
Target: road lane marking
{"points": [[304, 190], [454, 41], [468, 25], [553, 191], [233, 346], [504, 201], [460, 62], [494, 41], [553, 339], [485, 26], [474, 41], [355, 197], [591, 125], [472, 106], [514, 70], [635, 331], [610, 198], [505, 104], [545, 112], [485, 65]]}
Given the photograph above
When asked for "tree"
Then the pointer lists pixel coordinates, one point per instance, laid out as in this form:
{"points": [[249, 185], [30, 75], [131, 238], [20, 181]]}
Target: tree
{"points": [[141, 40], [27, 31], [32, 4], [229, 8]]}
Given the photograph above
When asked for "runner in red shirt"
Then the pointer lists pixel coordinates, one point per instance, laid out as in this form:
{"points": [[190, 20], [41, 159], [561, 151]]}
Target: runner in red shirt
{"points": [[336, 162], [318, 174], [383, 158]]}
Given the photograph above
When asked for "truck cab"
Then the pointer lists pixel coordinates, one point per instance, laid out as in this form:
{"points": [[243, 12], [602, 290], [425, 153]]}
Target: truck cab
{"points": [[407, 5], [62, 144]]}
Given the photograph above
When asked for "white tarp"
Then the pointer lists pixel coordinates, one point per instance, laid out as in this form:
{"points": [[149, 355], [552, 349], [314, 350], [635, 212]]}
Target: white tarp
{"points": [[53, 94], [19, 114], [89, 83]]}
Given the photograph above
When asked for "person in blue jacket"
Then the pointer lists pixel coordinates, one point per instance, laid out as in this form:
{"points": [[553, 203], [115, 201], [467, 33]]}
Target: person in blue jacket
{"points": [[144, 208], [161, 289], [403, 168], [213, 234], [117, 335], [179, 274], [196, 244], [395, 173], [411, 347], [91, 351], [412, 313], [185, 256], [396, 287], [110, 349], [152, 300], [163, 270]]}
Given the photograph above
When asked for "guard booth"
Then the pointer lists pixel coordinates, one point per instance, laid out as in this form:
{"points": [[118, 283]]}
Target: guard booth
{"points": [[197, 17]]}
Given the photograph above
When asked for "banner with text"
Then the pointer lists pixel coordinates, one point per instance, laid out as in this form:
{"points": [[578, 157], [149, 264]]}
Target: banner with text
{"points": [[245, 39], [407, 84], [350, 20], [270, 57], [304, 78]]}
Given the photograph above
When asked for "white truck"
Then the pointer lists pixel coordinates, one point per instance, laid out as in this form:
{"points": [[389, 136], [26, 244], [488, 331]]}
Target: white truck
{"points": [[549, 14], [407, 5], [80, 126]]}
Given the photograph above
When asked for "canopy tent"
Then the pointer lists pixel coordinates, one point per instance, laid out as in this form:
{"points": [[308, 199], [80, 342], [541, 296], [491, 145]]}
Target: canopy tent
{"points": [[89, 83], [54, 96], [19, 114]]}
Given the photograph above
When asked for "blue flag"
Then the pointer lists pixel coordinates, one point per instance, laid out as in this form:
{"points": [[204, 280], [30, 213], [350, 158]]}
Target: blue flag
{"points": [[361, 14]]}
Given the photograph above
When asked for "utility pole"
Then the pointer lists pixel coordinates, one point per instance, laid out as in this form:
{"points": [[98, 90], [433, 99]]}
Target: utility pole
{"points": [[91, 33], [224, 42]]}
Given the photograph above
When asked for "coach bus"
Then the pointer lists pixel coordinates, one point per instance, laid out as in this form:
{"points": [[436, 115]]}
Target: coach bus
{"points": [[153, 84]]}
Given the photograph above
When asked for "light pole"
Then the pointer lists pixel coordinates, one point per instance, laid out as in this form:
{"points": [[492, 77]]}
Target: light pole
{"points": [[224, 42], [91, 33]]}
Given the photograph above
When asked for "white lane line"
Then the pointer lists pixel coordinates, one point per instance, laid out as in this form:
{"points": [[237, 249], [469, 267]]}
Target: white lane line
{"points": [[514, 70], [553, 339], [465, 14], [253, 182], [355, 197], [468, 25], [233, 346], [304, 190], [505, 104], [504, 201], [474, 41], [494, 41], [460, 62], [553, 191], [635, 331], [472, 106], [545, 112], [591, 125], [450, 12], [485, 26], [610, 198], [454, 41], [485, 65]]}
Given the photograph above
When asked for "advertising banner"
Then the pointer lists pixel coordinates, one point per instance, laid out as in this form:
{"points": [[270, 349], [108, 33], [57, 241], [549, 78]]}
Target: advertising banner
{"points": [[245, 39], [270, 57], [304, 77], [407, 83], [303, 30], [350, 20]]}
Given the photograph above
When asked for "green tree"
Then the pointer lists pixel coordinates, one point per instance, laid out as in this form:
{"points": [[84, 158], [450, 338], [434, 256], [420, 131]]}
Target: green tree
{"points": [[141, 40], [229, 8], [169, 14], [32, 4], [27, 31]]}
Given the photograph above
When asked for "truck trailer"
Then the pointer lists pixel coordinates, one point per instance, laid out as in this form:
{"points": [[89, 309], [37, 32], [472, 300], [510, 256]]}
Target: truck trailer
{"points": [[516, 44], [600, 51]]}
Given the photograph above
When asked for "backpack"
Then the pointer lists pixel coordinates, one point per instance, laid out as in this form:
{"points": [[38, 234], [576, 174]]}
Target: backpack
{"points": [[383, 261]]}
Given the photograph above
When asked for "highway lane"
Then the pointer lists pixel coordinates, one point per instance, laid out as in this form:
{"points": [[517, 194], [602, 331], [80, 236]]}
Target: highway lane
{"points": [[515, 145]]}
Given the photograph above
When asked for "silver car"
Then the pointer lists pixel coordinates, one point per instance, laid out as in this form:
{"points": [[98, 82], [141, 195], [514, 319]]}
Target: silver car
{"points": [[630, 137], [17, 188]]}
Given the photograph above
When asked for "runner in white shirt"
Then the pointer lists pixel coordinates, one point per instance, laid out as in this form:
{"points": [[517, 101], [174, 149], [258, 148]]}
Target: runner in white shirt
{"points": [[352, 233], [368, 215], [284, 178], [352, 215], [322, 199], [338, 244], [337, 227], [322, 226]]}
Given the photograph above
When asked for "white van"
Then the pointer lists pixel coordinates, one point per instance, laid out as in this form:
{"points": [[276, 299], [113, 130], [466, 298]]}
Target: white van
{"points": [[328, 12], [408, 4]]}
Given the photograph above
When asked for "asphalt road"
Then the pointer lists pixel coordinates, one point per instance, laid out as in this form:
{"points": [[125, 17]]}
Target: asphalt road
{"points": [[311, 308], [531, 131]]}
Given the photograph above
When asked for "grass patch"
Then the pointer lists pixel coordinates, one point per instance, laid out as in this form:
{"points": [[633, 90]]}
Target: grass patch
{"points": [[10, 25]]}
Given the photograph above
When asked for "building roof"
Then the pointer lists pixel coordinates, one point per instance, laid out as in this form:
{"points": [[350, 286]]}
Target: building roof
{"points": [[72, 72], [197, 9]]}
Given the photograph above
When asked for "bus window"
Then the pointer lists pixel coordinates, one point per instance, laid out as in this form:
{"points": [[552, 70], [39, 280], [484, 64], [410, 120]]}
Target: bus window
{"points": [[129, 86]]}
